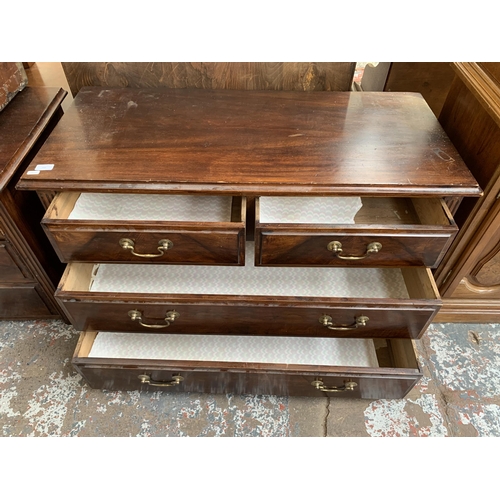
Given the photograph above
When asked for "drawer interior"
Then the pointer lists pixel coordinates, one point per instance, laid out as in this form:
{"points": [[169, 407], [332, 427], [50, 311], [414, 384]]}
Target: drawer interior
{"points": [[353, 210], [372, 353], [251, 280], [150, 207], [393, 283]]}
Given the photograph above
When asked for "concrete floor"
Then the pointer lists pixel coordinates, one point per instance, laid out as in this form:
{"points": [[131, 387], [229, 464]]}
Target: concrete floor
{"points": [[41, 395]]}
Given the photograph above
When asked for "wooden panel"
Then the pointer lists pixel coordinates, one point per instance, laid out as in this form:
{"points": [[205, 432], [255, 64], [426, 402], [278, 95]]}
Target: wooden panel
{"points": [[12, 80], [468, 119], [238, 142], [22, 302], [431, 79], [218, 75], [9, 265]]}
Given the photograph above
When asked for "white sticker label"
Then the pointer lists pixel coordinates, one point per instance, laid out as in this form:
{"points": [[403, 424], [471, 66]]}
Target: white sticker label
{"points": [[47, 166], [33, 172]]}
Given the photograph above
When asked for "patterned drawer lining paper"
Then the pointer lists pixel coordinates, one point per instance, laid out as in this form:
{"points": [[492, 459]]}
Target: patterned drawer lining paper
{"points": [[309, 210], [250, 280], [97, 206], [315, 351]]}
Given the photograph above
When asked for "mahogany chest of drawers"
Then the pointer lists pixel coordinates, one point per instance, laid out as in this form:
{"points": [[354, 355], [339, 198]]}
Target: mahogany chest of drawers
{"points": [[249, 242]]}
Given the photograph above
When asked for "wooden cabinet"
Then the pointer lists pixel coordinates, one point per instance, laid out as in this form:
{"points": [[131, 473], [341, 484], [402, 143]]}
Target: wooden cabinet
{"points": [[302, 227], [469, 275], [30, 269]]}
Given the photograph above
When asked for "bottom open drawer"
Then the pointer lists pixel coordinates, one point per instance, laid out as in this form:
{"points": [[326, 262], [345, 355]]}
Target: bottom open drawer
{"points": [[219, 364]]}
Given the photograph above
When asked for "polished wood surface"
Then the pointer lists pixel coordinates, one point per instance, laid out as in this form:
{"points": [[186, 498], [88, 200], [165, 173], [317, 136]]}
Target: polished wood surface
{"points": [[212, 75], [24, 126], [199, 141]]}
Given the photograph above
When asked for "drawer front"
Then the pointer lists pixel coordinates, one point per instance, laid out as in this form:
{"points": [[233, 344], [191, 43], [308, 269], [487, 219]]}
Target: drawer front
{"points": [[344, 248], [126, 377], [383, 233], [392, 380], [331, 319], [112, 244], [213, 233]]}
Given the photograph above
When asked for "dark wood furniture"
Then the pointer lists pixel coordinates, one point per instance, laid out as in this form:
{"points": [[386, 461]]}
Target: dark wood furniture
{"points": [[30, 269], [327, 206], [469, 275]]}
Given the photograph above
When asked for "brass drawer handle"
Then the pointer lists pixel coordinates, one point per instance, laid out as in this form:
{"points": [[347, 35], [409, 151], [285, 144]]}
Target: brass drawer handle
{"points": [[326, 320], [348, 386], [163, 246], [336, 248], [170, 316], [146, 379]]}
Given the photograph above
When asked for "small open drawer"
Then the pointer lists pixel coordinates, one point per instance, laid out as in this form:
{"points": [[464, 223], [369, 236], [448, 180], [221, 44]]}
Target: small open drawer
{"points": [[250, 300], [336, 231], [160, 229], [354, 368]]}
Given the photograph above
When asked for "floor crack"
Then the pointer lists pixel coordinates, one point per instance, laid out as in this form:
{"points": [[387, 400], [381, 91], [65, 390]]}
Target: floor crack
{"points": [[325, 425]]}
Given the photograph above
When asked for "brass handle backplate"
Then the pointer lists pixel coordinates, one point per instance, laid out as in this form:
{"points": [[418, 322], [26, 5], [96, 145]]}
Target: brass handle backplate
{"points": [[170, 316], [326, 320], [349, 385], [146, 379], [163, 246], [336, 248]]}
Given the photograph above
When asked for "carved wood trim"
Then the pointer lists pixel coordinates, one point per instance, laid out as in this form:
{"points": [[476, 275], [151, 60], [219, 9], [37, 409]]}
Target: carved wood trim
{"points": [[482, 86], [473, 285]]}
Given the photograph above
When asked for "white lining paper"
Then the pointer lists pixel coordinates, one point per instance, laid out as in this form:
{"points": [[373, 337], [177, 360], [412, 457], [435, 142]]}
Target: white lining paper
{"points": [[286, 350], [309, 209], [163, 207], [250, 280]]}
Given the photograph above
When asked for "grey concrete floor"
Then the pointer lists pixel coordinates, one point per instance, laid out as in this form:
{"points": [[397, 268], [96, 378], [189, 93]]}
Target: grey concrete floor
{"points": [[41, 395]]}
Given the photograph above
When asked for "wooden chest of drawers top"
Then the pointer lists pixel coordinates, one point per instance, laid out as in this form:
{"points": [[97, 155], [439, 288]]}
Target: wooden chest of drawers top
{"points": [[252, 143]]}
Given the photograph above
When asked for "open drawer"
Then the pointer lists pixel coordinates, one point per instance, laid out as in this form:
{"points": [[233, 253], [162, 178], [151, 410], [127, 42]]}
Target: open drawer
{"points": [[157, 228], [250, 300], [336, 231], [354, 368]]}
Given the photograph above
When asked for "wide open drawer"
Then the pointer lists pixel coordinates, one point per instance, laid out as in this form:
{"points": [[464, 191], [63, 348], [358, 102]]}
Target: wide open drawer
{"points": [[97, 227], [250, 300], [336, 231], [354, 368]]}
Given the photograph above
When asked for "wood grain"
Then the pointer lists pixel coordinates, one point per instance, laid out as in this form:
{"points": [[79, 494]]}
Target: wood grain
{"points": [[251, 142], [211, 75], [431, 79]]}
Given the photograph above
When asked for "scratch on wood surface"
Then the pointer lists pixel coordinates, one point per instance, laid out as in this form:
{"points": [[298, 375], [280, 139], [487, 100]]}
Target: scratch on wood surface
{"points": [[296, 135]]}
